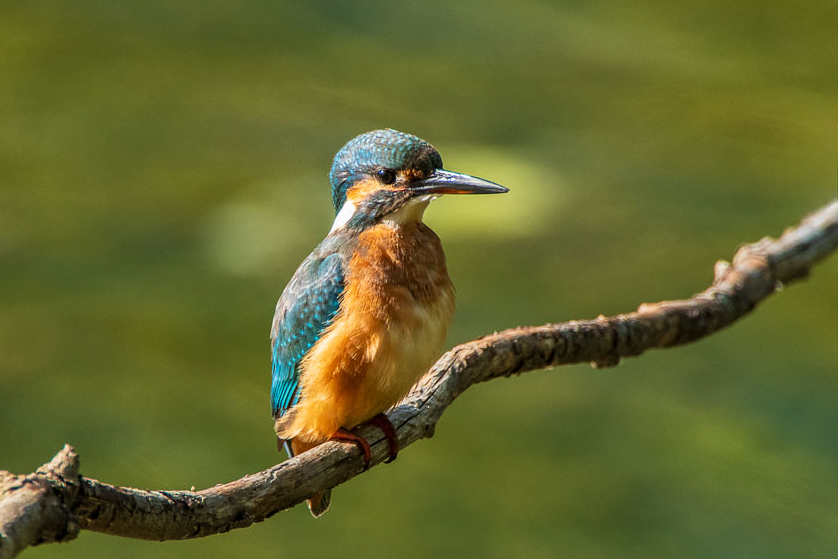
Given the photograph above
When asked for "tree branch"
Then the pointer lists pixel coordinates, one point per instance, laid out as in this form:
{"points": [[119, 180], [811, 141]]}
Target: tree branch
{"points": [[36, 508], [55, 502]]}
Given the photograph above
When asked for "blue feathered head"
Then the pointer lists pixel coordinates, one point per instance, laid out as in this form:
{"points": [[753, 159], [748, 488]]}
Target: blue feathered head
{"points": [[375, 151]]}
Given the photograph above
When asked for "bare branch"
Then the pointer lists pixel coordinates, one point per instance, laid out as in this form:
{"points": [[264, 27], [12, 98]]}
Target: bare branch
{"points": [[53, 503], [36, 508]]}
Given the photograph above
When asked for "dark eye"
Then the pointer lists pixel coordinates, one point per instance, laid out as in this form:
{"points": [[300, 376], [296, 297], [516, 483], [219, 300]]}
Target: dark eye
{"points": [[386, 176]]}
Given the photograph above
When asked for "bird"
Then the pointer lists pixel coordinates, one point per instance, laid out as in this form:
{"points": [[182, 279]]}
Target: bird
{"points": [[367, 312]]}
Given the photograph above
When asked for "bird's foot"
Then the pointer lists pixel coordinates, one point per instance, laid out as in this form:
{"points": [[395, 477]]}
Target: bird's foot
{"points": [[383, 423], [343, 435]]}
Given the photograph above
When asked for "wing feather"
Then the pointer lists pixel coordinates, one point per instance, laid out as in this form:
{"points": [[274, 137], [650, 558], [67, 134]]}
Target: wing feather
{"points": [[307, 306]]}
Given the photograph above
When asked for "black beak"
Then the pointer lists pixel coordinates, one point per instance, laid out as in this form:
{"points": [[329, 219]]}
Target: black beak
{"points": [[441, 181]]}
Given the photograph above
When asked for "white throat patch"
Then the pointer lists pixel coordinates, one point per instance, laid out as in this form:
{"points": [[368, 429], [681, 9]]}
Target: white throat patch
{"points": [[410, 212]]}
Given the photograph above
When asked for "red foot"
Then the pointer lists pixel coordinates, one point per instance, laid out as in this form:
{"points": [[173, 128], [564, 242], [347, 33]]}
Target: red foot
{"points": [[385, 425], [345, 436]]}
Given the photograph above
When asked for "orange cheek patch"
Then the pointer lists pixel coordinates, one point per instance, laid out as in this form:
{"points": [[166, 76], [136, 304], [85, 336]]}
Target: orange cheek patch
{"points": [[362, 189], [365, 188], [369, 185]]}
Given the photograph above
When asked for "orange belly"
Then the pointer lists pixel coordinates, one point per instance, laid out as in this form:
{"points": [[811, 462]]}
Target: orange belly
{"points": [[390, 328]]}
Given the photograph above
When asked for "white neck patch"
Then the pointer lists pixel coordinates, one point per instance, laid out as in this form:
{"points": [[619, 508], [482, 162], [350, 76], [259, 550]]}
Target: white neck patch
{"points": [[343, 217]]}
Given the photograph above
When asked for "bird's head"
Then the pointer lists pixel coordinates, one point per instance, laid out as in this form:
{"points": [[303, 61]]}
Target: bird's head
{"points": [[386, 174]]}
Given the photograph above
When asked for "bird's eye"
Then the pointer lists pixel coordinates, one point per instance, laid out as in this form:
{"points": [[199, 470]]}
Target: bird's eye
{"points": [[386, 176]]}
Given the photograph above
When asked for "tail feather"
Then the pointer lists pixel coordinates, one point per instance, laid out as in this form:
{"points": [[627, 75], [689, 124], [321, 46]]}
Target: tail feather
{"points": [[319, 502]]}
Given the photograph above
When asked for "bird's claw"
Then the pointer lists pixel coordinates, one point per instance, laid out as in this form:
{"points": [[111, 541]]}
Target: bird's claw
{"points": [[384, 423], [343, 435]]}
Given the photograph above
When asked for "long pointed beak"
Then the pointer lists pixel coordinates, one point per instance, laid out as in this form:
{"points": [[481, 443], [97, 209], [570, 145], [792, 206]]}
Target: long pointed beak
{"points": [[448, 182]]}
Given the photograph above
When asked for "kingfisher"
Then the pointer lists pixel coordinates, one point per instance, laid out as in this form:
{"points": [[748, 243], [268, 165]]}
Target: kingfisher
{"points": [[366, 313]]}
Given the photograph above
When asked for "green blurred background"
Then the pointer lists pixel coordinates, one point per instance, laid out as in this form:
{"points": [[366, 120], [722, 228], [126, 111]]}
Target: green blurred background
{"points": [[163, 171]]}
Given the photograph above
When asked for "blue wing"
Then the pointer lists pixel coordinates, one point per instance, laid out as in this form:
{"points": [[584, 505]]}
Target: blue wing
{"points": [[307, 306]]}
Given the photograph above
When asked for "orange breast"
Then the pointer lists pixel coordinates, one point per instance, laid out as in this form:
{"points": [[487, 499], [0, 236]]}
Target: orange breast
{"points": [[390, 328]]}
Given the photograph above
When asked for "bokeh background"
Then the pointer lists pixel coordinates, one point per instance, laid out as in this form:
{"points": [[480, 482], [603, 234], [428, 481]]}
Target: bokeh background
{"points": [[163, 171]]}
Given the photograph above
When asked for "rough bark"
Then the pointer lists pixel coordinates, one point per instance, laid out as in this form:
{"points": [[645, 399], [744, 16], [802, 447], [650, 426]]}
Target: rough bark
{"points": [[37, 508], [55, 502]]}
